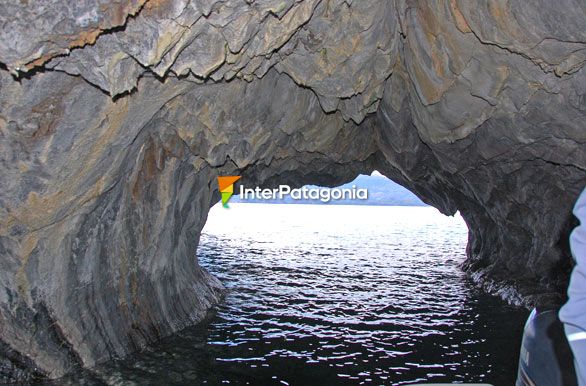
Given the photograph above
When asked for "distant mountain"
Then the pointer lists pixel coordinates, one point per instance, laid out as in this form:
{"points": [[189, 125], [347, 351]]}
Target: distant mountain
{"points": [[381, 191]]}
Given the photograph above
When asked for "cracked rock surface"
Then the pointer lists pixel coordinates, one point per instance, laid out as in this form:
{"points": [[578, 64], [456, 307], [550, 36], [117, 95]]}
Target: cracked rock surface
{"points": [[116, 118]]}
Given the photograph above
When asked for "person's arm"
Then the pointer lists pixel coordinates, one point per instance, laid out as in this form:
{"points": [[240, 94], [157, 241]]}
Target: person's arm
{"points": [[573, 313]]}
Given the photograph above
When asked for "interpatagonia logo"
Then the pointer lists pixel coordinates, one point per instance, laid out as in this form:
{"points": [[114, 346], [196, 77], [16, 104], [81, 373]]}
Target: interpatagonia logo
{"points": [[226, 185], [304, 193], [285, 192]]}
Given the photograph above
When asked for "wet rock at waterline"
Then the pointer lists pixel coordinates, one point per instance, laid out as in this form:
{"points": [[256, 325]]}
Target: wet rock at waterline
{"points": [[115, 119]]}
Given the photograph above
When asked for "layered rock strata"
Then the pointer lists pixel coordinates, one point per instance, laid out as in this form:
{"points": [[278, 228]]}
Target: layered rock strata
{"points": [[116, 118]]}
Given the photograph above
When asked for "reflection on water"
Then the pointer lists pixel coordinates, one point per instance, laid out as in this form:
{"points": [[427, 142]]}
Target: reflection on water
{"points": [[339, 295]]}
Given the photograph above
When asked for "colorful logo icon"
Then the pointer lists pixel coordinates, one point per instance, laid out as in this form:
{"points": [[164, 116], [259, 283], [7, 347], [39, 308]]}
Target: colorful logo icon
{"points": [[226, 184]]}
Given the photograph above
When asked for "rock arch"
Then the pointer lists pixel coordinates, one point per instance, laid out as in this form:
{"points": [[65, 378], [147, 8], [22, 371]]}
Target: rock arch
{"points": [[112, 133]]}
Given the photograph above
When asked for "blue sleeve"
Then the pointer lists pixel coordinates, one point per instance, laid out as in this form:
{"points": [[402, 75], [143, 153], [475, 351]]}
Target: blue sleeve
{"points": [[573, 313]]}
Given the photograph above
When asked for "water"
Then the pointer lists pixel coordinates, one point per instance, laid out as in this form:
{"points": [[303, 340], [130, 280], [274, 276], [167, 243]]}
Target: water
{"points": [[335, 295]]}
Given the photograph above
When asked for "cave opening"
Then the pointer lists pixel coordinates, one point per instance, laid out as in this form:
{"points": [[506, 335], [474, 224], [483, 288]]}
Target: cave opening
{"points": [[363, 293]]}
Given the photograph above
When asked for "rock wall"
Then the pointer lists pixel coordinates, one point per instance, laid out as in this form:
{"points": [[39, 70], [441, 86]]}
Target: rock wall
{"points": [[116, 118]]}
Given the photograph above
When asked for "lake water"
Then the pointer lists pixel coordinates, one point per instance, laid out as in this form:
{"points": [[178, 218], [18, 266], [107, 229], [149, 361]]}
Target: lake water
{"points": [[335, 295]]}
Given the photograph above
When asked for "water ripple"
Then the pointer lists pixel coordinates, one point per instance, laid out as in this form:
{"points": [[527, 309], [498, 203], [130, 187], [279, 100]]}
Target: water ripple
{"points": [[339, 295]]}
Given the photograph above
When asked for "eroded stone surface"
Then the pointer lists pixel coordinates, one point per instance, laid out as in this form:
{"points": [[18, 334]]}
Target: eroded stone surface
{"points": [[115, 127]]}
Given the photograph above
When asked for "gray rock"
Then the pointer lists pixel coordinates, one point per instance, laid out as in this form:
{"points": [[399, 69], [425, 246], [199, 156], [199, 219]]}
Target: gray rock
{"points": [[113, 129]]}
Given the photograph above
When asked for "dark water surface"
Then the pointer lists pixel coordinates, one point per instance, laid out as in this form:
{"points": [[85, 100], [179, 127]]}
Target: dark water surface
{"points": [[334, 295]]}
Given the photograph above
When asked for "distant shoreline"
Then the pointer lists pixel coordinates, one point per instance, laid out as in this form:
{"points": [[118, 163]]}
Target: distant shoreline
{"points": [[381, 192]]}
